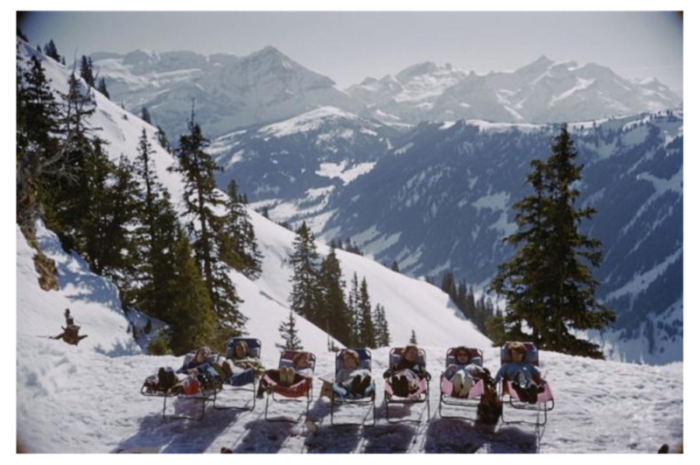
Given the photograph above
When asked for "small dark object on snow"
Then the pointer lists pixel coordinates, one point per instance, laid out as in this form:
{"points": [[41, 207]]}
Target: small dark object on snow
{"points": [[70, 334], [490, 406], [226, 450], [664, 449]]}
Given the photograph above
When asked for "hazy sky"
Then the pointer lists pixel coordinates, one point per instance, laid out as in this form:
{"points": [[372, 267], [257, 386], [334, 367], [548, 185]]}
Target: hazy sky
{"points": [[347, 47]]}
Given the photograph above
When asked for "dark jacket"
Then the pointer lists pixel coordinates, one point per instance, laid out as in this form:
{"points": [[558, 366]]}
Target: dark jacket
{"points": [[404, 364]]}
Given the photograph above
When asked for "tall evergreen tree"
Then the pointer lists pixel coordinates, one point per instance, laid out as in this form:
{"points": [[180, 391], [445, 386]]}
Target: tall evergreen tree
{"points": [[290, 334], [201, 200], [367, 330], [163, 140], [338, 320], [354, 309], [41, 109], [86, 71], [382, 327], [192, 320], [548, 284], [239, 246], [63, 197], [146, 115], [306, 296], [104, 230], [102, 87], [21, 114], [157, 235], [50, 50]]}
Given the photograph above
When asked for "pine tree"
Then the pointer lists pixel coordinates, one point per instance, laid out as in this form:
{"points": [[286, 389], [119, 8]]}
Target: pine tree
{"points": [[306, 295], [102, 87], [192, 320], [382, 327], [146, 115], [239, 247], [201, 200], [548, 283], [86, 71], [20, 143], [163, 140], [40, 106], [157, 233], [495, 329], [290, 334], [367, 330], [338, 320], [414, 338], [63, 196], [104, 231], [395, 267], [354, 309], [50, 50]]}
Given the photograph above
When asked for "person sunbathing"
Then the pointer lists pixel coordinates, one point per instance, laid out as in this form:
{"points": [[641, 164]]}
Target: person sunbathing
{"points": [[405, 376], [288, 376], [242, 361], [351, 379], [463, 373], [525, 377]]}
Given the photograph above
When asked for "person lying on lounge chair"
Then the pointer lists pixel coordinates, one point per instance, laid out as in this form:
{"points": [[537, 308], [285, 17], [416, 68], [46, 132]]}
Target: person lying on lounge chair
{"points": [[288, 376], [351, 379], [525, 377], [463, 373], [405, 376], [188, 379], [242, 360]]}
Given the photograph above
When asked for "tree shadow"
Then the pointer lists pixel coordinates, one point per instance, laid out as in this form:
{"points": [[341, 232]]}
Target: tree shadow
{"points": [[179, 436], [452, 436], [514, 440], [118, 349], [333, 440], [388, 439], [264, 437]]}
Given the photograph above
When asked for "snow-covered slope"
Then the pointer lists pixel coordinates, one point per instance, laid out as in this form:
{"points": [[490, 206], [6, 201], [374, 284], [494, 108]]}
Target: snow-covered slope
{"points": [[266, 299]]}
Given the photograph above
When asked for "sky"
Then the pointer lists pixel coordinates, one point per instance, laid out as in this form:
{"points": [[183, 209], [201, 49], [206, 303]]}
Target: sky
{"points": [[349, 46]]}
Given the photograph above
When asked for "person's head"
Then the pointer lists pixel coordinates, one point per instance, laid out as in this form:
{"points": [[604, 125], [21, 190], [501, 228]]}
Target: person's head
{"points": [[410, 353], [301, 360], [351, 359], [202, 354], [517, 351], [240, 350], [462, 355]]}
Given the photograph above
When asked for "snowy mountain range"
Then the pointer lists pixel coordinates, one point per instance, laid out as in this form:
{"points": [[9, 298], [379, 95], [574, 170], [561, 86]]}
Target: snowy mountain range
{"points": [[294, 165], [85, 399], [267, 86], [540, 92], [229, 92]]}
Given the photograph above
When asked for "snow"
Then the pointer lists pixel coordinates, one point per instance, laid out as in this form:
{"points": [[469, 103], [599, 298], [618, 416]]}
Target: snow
{"points": [[501, 127], [306, 122], [404, 149], [503, 226], [447, 125], [642, 281], [338, 170], [513, 113], [581, 84], [661, 186], [497, 201]]}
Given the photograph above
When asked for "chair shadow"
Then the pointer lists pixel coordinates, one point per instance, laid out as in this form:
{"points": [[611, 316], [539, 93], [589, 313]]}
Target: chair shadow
{"points": [[388, 439], [264, 437], [452, 436]]}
